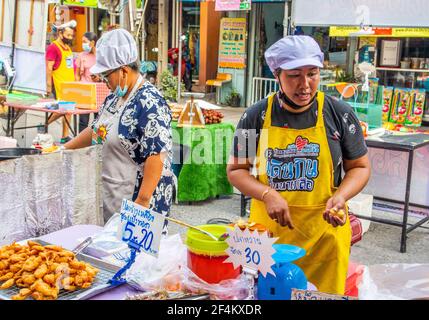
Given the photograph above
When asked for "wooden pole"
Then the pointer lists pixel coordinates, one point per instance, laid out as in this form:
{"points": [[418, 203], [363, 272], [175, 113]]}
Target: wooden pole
{"points": [[2, 19], [162, 36], [31, 29]]}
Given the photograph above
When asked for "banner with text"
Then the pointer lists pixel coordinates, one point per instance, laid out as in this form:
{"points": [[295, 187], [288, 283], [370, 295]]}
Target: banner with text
{"points": [[232, 43], [232, 5]]}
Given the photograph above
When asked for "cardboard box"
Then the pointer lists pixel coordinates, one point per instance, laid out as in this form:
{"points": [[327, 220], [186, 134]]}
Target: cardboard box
{"points": [[82, 93], [86, 95]]}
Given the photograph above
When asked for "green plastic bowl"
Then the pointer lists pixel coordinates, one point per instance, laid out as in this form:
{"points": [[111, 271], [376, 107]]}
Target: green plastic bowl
{"points": [[199, 243]]}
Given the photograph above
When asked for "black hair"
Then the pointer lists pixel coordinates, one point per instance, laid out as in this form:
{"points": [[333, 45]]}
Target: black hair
{"points": [[91, 36], [135, 66]]}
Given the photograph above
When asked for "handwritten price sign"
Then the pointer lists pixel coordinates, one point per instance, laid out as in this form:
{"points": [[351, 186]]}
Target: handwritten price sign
{"points": [[140, 227], [251, 249]]}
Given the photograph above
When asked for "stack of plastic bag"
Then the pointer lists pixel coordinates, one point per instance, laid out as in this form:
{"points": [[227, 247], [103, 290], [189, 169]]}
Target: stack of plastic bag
{"points": [[395, 282], [170, 273]]}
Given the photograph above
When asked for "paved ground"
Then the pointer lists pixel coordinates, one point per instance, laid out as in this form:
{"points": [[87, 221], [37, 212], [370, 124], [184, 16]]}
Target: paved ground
{"points": [[379, 245]]}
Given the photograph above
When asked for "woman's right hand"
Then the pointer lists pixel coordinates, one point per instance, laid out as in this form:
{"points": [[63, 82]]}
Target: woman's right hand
{"points": [[277, 208]]}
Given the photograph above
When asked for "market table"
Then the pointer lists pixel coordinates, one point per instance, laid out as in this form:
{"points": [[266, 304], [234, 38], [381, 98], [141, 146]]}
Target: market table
{"points": [[21, 107], [203, 174], [69, 238], [404, 143]]}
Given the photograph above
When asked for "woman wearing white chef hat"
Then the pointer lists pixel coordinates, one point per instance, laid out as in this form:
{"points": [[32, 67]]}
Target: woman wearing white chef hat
{"points": [[301, 140], [133, 126]]}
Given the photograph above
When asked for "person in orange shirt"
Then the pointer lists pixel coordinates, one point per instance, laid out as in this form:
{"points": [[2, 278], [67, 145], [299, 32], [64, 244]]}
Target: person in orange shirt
{"points": [[59, 69]]}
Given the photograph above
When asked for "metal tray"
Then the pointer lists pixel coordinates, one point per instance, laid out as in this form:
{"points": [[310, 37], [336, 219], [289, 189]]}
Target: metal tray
{"points": [[100, 284], [13, 153]]}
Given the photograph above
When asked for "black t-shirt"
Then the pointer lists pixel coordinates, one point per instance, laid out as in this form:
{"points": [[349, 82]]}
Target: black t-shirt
{"points": [[345, 137]]}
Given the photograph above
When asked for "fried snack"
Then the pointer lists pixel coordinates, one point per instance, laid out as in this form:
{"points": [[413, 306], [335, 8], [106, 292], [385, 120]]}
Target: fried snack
{"points": [[45, 289], [22, 295], [337, 213], [9, 283], [42, 271]]}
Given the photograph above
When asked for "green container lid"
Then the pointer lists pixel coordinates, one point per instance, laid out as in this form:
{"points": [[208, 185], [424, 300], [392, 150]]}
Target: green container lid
{"points": [[199, 243]]}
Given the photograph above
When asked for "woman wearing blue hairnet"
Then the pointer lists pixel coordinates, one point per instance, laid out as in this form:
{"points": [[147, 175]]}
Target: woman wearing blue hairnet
{"points": [[133, 126]]}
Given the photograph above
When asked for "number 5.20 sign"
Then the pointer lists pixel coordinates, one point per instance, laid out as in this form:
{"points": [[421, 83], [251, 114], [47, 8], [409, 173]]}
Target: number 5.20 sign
{"points": [[140, 227]]}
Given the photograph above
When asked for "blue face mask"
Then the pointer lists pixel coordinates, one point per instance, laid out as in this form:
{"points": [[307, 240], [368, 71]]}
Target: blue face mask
{"points": [[121, 92], [86, 47]]}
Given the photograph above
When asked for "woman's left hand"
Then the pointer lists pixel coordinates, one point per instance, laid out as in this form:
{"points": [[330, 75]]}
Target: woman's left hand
{"points": [[335, 204]]}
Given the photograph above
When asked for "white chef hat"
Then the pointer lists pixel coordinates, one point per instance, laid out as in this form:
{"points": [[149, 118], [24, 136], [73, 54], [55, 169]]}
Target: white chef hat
{"points": [[114, 49]]}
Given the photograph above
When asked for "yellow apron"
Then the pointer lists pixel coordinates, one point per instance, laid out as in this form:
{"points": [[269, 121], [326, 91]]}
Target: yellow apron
{"points": [[65, 71], [298, 164]]}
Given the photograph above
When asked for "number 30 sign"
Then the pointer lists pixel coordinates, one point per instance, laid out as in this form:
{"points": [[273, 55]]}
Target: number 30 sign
{"points": [[251, 249]]}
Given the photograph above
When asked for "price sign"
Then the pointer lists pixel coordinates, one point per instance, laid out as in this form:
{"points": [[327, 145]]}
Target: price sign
{"points": [[251, 249], [140, 227]]}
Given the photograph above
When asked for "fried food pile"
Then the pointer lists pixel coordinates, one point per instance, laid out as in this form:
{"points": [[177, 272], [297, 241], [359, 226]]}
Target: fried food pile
{"points": [[42, 271]]}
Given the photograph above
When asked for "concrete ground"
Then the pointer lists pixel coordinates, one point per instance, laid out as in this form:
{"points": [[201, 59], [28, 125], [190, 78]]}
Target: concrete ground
{"points": [[379, 245]]}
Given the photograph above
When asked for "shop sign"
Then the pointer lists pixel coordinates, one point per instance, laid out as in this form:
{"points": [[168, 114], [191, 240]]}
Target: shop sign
{"points": [[232, 43], [232, 5], [379, 32], [253, 250], [140, 227], [81, 3]]}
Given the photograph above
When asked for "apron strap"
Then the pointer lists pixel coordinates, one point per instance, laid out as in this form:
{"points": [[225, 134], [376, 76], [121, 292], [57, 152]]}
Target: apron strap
{"points": [[320, 103], [267, 121]]}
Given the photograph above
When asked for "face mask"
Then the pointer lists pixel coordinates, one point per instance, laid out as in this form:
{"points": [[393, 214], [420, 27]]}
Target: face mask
{"points": [[68, 42], [121, 92], [86, 47]]}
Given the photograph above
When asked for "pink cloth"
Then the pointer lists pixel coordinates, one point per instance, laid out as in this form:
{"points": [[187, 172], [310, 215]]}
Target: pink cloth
{"points": [[53, 53], [84, 62], [102, 92]]}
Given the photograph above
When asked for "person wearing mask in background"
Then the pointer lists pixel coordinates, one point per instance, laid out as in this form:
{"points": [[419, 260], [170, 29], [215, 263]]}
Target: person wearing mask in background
{"points": [[60, 68], [134, 129], [84, 63], [301, 140]]}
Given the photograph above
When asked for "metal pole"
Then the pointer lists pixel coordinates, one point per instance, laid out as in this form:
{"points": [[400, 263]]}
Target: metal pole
{"points": [[179, 62], [12, 55], [131, 15], [407, 202], [286, 20], [174, 24]]}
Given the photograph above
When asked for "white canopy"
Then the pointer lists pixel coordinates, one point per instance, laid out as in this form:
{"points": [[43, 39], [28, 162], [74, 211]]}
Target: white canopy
{"points": [[378, 13]]}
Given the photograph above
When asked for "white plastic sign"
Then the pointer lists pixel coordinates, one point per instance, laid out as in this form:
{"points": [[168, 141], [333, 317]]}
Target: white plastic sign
{"points": [[140, 227], [251, 249]]}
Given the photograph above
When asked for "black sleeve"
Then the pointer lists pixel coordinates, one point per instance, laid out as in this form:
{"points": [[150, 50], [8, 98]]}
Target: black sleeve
{"points": [[353, 144], [246, 137]]}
